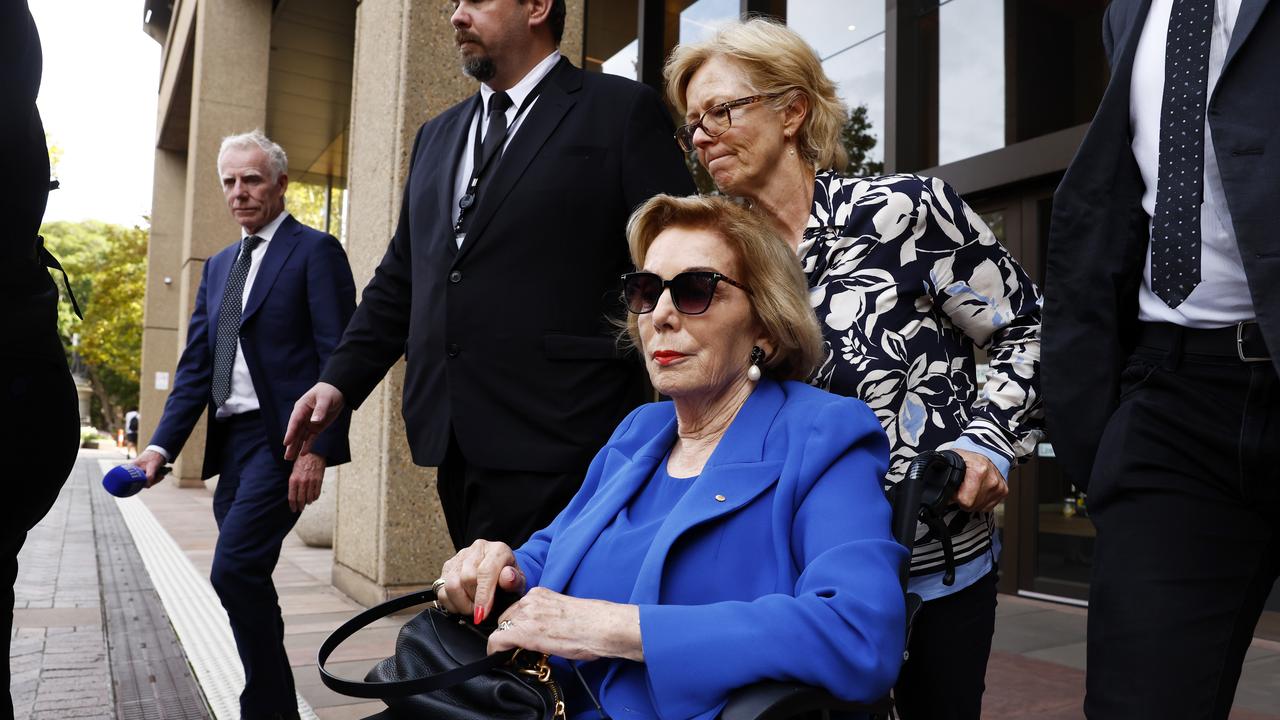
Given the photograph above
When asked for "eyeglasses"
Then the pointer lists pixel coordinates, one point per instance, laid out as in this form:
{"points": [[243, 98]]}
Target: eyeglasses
{"points": [[691, 291], [716, 120]]}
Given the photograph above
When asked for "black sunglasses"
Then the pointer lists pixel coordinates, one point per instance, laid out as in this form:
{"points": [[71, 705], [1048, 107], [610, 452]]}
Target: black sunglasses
{"points": [[691, 291]]}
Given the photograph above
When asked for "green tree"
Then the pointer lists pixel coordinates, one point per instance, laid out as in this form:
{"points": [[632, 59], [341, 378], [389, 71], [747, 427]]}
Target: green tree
{"points": [[107, 265], [306, 202], [858, 141]]}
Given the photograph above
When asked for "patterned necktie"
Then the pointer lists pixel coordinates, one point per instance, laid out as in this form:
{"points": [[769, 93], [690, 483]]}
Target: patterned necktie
{"points": [[1175, 235], [224, 350]]}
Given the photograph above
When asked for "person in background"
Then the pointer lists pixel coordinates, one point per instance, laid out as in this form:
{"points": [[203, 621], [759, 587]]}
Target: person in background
{"points": [[269, 311], [734, 534], [131, 422], [906, 281], [1162, 322], [40, 414]]}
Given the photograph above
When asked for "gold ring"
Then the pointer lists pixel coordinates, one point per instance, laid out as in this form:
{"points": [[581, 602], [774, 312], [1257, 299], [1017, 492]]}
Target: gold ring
{"points": [[439, 583]]}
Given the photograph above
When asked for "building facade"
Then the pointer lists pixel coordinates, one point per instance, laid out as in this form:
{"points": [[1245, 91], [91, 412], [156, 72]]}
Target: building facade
{"points": [[993, 96]]}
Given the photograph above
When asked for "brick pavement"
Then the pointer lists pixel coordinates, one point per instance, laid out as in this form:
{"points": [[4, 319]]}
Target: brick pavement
{"points": [[58, 650]]}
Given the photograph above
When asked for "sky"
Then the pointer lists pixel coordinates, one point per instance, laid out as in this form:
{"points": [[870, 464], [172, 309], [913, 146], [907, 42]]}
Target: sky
{"points": [[98, 103]]}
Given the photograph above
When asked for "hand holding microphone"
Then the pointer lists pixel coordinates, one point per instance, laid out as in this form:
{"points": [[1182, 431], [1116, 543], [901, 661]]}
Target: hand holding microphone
{"points": [[124, 480]]}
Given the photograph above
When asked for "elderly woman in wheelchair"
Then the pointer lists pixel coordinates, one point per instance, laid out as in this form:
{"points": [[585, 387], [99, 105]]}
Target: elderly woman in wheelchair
{"points": [[735, 534]]}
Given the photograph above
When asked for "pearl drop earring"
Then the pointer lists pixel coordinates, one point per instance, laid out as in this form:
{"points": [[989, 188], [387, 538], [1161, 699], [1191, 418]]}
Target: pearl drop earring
{"points": [[757, 357]]}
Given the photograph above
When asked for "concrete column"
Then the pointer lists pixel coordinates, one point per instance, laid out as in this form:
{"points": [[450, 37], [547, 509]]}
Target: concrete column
{"points": [[390, 535], [160, 320], [228, 95]]}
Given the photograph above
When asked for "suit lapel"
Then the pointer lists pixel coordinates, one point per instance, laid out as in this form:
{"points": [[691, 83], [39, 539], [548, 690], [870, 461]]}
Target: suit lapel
{"points": [[736, 473], [457, 140], [622, 476], [553, 102], [1250, 11], [278, 250], [219, 270]]}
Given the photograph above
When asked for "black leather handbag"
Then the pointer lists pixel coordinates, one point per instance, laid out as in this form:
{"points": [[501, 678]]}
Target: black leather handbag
{"points": [[440, 669]]}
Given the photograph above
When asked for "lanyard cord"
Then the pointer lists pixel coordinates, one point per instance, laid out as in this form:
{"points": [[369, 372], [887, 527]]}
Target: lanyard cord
{"points": [[479, 163]]}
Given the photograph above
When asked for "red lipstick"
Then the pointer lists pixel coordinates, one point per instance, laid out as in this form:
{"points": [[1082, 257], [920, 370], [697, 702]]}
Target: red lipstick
{"points": [[666, 357]]}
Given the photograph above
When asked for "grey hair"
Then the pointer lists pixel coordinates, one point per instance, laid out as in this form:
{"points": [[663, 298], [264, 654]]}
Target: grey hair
{"points": [[275, 154]]}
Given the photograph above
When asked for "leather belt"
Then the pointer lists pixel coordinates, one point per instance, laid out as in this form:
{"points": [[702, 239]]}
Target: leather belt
{"points": [[1242, 341]]}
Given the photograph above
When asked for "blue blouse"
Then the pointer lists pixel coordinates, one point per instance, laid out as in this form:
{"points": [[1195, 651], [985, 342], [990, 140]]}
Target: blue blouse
{"points": [[609, 570]]}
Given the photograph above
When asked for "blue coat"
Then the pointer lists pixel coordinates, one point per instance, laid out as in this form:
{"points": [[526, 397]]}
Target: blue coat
{"points": [[300, 302], [778, 562]]}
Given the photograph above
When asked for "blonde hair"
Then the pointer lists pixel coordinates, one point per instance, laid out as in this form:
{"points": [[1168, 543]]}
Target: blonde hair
{"points": [[776, 60], [767, 267]]}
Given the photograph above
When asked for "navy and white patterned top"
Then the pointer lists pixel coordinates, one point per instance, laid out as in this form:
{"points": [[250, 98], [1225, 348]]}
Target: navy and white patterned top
{"points": [[906, 281]]}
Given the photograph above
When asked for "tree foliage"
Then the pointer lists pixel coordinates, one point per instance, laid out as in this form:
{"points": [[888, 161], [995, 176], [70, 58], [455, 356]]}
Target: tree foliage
{"points": [[107, 266], [858, 141], [306, 202]]}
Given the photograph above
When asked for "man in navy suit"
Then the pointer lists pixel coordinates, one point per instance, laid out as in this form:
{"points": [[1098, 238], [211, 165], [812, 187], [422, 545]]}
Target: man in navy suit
{"points": [[270, 309], [1164, 272]]}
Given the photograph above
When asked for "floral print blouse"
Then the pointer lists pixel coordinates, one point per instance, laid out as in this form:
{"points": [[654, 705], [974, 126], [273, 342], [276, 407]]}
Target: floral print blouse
{"points": [[906, 281]]}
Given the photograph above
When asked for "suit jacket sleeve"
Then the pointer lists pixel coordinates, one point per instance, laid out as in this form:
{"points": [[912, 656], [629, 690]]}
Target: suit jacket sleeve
{"points": [[331, 296], [375, 338], [193, 381], [842, 629], [652, 162]]}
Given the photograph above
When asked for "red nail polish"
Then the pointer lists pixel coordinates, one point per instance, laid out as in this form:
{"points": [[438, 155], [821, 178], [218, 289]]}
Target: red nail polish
{"points": [[479, 615]]}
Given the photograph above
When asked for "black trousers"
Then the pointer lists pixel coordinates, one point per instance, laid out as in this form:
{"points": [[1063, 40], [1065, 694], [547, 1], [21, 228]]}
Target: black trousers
{"points": [[251, 506], [39, 418], [482, 503], [1185, 496], [945, 673]]}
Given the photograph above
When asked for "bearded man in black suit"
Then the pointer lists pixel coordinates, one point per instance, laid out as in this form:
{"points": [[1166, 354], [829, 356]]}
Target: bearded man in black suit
{"points": [[502, 278]]}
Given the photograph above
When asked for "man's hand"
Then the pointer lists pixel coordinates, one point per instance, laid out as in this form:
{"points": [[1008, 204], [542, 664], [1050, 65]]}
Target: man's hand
{"points": [[305, 481], [313, 412], [151, 461], [983, 487]]}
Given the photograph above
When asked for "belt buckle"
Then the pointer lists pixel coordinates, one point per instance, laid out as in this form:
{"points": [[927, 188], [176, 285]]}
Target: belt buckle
{"points": [[1240, 344]]}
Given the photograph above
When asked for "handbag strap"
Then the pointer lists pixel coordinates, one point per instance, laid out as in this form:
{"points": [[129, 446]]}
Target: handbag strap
{"points": [[398, 688]]}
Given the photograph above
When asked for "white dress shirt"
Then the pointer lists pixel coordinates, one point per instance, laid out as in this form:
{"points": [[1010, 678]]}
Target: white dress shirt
{"points": [[517, 93], [1222, 297], [243, 398]]}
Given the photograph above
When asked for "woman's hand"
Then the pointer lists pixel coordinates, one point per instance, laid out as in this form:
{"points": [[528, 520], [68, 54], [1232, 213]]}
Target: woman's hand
{"points": [[983, 487], [548, 622], [473, 577]]}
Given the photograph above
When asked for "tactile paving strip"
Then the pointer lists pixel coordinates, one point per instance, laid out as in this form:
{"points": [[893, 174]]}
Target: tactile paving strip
{"points": [[194, 610], [149, 671]]}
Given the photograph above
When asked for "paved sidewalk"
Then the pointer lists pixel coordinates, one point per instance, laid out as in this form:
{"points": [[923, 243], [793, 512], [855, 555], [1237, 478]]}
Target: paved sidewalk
{"points": [[62, 662], [58, 652]]}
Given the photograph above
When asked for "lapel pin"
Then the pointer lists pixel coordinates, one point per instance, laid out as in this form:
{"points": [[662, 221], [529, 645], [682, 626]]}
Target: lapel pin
{"points": [[719, 498]]}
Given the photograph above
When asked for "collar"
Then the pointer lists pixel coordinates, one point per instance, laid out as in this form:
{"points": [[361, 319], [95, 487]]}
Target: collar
{"points": [[521, 90], [826, 183], [269, 230]]}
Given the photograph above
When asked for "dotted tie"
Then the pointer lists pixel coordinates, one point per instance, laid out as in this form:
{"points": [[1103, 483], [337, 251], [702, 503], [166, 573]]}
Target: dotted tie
{"points": [[1175, 235], [224, 350]]}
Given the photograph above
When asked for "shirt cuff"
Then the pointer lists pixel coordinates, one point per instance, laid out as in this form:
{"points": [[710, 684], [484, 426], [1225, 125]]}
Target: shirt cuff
{"points": [[163, 453], [1000, 461]]}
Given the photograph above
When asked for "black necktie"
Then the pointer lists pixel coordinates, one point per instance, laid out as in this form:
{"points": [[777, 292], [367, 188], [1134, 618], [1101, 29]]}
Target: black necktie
{"points": [[224, 350], [496, 134], [1175, 234]]}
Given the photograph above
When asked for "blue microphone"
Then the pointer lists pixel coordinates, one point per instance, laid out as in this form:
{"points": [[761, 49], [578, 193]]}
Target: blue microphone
{"points": [[124, 480]]}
